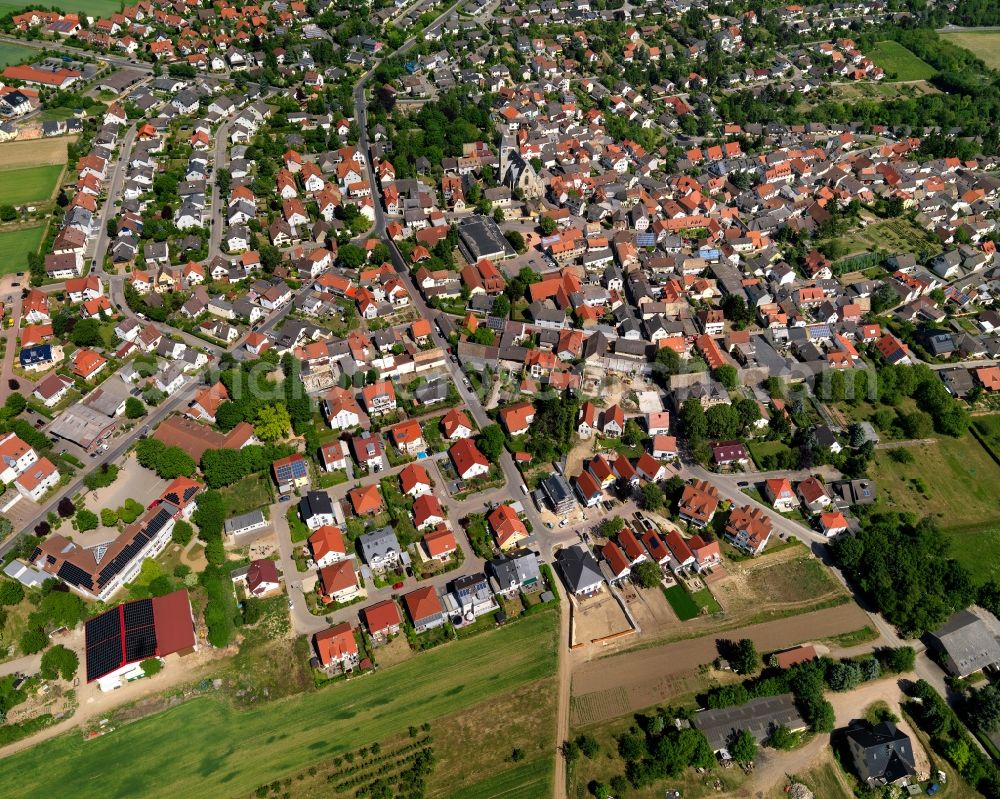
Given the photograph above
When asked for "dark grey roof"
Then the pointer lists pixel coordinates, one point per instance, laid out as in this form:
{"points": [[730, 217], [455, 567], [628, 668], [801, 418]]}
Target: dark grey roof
{"points": [[969, 641], [758, 717], [881, 752], [315, 503], [578, 567]]}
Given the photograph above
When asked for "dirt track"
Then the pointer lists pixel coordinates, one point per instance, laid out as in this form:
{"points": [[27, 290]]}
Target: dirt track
{"points": [[635, 680]]}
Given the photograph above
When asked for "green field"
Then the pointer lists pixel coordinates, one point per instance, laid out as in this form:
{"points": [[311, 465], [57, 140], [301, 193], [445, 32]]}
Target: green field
{"points": [[681, 602], [14, 54], [898, 62], [94, 8], [30, 185], [248, 494], [526, 781], [207, 748], [15, 246], [984, 44], [954, 481], [988, 428]]}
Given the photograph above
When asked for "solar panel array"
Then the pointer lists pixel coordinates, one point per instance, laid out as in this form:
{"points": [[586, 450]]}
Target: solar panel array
{"points": [[106, 649], [128, 553], [288, 471]]}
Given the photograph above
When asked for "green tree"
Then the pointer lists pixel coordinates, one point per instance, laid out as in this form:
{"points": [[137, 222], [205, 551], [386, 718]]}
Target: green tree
{"points": [[182, 533], [490, 442], [745, 659], [501, 306], [32, 641], [86, 333], [693, 422], [983, 708], [611, 526], [547, 225], [647, 574], [272, 422], [151, 666], [8, 213], [351, 255], [782, 738], [744, 747], [728, 376], [516, 240], [651, 497], [723, 422], [134, 409], [58, 661], [86, 520], [11, 593], [632, 435]]}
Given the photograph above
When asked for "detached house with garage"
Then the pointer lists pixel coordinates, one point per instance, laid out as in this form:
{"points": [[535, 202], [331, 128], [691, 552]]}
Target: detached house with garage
{"points": [[813, 495], [779, 493], [699, 501], [383, 620], [424, 608], [748, 529]]}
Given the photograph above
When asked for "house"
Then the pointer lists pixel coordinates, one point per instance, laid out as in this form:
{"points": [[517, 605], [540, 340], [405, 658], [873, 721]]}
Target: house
{"points": [[881, 753], [472, 596], [51, 390], [368, 452], [427, 511], [379, 397], [969, 642], [456, 425], [759, 717], [408, 437], [334, 456], [664, 448], [439, 544], [632, 547], [245, 523], [327, 546], [382, 619], [698, 503], [813, 495], [290, 473], [648, 468], [508, 529], [15, 457], [340, 409], [558, 493], [37, 479], [87, 363], [515, 572], [832, 523], [260, 578], [779, 493], [588, 489], [579, 570], [380, 549], [612, 423], [366, 500], [414, 480], [729, 453], [337, 646], [469, 462], [707, 554], [425, 609], [680, 556], [517, 419], [748, 529], [316, 510], [338, 582], [617, 562]]}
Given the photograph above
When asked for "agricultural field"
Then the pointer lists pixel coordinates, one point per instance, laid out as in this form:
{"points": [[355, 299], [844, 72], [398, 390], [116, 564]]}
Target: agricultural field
{"points": [[32, 152], [229, 752], [14, 54], [15, 246], [899, 63], [34, 184], [94, 8], [984, 44], [881, 91]]}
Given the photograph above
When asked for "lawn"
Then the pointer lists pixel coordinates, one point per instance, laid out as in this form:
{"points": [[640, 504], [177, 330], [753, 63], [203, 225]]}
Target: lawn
{"points": [[14, 54], [988, 428], [30, 185], [15, 246], [985, 44], [898, 235], [762, 449], [206, 748], [977, 547], [682, 603], [524, 781], [250, 493], [898, 62]]}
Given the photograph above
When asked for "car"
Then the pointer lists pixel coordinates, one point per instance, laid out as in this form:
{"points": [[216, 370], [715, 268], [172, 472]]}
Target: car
{"points": [[933, 789], [564, 522], [284, 498], [524, 489], [15, 284], [397, 586], [743, 483], [13, 384], [20, 274], [135, 392], [550, 525]]}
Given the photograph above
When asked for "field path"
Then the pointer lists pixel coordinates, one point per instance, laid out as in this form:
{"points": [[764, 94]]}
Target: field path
{"points": [[564, 676]]}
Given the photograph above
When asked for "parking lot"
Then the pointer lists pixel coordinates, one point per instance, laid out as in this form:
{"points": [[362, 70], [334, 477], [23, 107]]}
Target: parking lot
{"points": [[134, 481]]}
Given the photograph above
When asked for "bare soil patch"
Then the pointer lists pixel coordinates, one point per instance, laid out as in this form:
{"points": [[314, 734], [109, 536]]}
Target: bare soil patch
{"points": [[598, 617], [32, 152]]}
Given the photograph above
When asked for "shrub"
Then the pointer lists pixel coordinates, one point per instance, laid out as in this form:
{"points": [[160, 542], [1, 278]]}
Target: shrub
{"points": [[32, 641], [11, 593], [86, 520], [151, 666], [109, 517]]}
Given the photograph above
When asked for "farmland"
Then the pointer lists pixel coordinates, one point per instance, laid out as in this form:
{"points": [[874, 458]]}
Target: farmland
{"points": [[32, 184], [14, 54], [985, 44], [227, 752], [32, 152], [15, 246], [899, 63], [95, 8]]}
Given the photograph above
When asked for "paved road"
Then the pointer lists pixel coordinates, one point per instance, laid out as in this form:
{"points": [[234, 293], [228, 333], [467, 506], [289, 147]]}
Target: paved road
{"points": [[63, 47]]}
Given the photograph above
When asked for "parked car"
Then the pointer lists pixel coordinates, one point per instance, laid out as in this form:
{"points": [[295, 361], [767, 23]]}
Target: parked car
{"points": [[284, 498], [397, 586]]}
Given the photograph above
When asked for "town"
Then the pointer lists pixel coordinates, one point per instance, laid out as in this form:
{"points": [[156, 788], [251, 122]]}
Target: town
{"points": [[500, 398]]}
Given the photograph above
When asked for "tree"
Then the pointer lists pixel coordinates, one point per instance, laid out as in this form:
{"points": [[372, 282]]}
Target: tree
{"points": [[32, 641], [516, 240], [723, 422], [11, 593], [735, 309], [666, 363], [59, 662], [588, 746], [151, 666], [782, 738], [182, 533], [66, 508], [134, 409], [611, 526], [272, 422], [646, 574], [632, 435], [501, 306], [693, 422], [983, 708], [547, 225], [728, 376], [86, 520], [490, 442], [652, 497], [745, 658], [351, 255], [744, 747], [8, 213], [748, 410], [86, 333]]}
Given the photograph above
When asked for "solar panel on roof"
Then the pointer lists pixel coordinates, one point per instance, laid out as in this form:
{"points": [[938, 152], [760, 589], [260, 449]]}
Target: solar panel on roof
{"points": [[103, 627], [140, 644], [74, 575], [138, 614], [157, 523], [103, 659]]}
